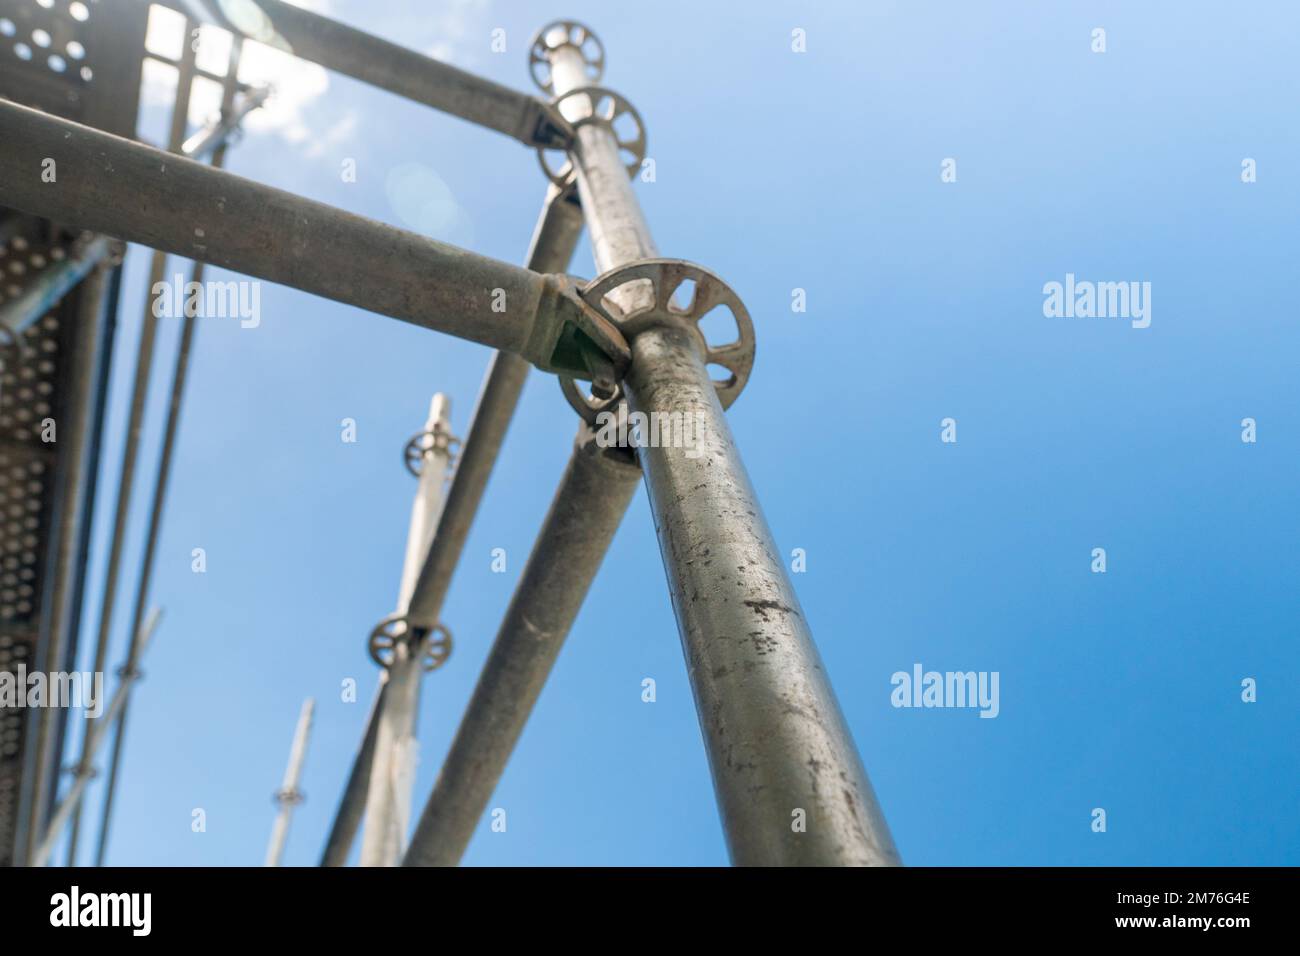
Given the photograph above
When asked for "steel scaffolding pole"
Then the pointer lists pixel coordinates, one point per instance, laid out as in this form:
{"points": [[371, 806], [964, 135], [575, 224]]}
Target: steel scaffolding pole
{"points": [[389, 67], [289, 796], [585, 514], [388, 799], [176, 138], [791, 788], [135, 420], [588, 507], [94, 739], [554, 239], [779, 749], [135, 192], [789, 782], [550, 250], [152, 531], [352, 805]]}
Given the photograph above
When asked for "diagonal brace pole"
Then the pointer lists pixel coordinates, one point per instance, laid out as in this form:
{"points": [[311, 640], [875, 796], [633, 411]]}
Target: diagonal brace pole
{"points": [[553, 242], [589, 505]]}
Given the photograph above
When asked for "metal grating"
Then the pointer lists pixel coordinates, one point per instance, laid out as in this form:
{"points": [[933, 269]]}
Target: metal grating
{"points": [[46, 50], [27, 387], [80, 59]]}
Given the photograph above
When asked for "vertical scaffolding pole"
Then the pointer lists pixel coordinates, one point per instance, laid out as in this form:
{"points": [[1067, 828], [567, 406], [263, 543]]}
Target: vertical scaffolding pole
{"points": [[289, 796], [388, 798], [588, 507], [131, 446], [790, 786], [554, 238], [213, 141], [550, 250]]}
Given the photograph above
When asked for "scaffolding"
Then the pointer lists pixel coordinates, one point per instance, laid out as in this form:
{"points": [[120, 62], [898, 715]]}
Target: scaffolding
{"points": [[627, 348]]}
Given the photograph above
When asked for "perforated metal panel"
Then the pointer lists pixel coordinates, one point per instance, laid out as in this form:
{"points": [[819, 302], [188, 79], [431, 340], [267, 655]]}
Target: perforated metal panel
{"points": [[27, 464], [46, 48], [79, 59], [30, 390], [27, 390]]}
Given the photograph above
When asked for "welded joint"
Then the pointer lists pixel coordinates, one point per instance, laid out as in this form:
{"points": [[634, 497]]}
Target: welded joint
{"points": [[430, 645], [656, 287]]}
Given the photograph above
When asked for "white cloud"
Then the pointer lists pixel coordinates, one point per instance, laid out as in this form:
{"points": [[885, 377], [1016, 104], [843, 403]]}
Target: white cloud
{"points": [[296, 84], [459, 31], [458, 27], [336, 135]]}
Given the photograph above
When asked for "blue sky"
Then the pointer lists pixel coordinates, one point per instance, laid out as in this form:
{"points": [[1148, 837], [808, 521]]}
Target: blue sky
{"points": [[782, 170]]}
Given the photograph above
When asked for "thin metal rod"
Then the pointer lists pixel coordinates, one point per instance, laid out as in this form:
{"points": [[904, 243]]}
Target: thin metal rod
{"points": [[390, 67], [135, 426], [153, 529], [592, 497], [144, 363], [790, 784], [352, 805], [76, 434], [554, 239], [618, 228], [95, 738], [289, 796], [55, 281], [122, 188], [388, 802]]}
